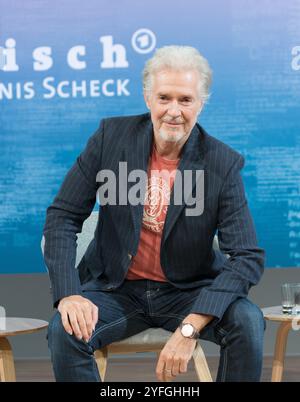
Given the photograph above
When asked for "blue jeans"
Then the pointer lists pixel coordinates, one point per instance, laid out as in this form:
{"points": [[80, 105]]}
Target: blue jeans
{"points": [[138, 305]]}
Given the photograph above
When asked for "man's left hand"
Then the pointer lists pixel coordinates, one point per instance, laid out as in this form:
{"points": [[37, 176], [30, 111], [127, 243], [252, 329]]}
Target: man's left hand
{"points": [[174, 357]]}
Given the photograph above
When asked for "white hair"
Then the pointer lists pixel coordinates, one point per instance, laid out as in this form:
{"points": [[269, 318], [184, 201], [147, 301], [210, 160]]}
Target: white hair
{"points": [[179, 58]]}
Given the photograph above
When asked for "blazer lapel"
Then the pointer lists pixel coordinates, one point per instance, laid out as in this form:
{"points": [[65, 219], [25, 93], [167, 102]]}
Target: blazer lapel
{"points": [[137, 156], [192, 159]]}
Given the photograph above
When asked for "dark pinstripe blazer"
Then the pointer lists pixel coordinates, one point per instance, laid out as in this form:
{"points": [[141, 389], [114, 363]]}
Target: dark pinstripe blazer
{"points": [[187, 257]]}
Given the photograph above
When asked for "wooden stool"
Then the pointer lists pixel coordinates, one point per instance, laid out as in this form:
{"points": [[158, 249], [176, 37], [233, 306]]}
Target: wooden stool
{"points": [[275, 314], [150, 340], [14, 326]]}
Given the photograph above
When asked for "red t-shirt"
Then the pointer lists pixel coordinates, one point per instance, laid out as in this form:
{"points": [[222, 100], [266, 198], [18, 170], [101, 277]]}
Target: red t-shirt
{"points": [[161, 176]]}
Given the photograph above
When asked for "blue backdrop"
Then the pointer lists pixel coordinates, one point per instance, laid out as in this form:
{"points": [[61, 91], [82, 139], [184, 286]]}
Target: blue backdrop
{"points": [[66, 64]]}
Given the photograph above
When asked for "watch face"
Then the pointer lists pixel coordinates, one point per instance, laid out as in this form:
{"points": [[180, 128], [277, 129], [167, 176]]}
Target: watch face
{"points": [[187, 330]]}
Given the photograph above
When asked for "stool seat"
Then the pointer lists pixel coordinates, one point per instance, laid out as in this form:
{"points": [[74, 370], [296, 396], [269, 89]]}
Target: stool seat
{"points": [[147, 340]]}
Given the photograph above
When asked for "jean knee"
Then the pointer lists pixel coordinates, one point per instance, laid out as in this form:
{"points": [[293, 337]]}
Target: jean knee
{"points": [[57, 335], [249, 319]]}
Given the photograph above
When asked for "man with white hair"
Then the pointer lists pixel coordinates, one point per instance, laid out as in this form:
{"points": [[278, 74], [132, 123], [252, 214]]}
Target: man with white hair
{"points": [[152, 263]]}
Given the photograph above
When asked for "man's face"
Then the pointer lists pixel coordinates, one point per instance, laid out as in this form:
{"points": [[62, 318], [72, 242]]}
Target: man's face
{"points": [[174, 104]]}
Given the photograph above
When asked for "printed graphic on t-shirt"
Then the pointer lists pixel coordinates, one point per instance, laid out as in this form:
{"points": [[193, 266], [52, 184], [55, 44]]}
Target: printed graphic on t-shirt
{"points": [[157, 201]]}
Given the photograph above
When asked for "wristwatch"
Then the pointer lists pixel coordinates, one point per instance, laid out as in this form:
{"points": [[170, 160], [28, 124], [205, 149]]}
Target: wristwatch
{"points": [[188, 330]]}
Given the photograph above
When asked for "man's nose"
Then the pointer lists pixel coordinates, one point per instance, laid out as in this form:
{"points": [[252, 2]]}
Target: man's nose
{"points": [[174, 109]]}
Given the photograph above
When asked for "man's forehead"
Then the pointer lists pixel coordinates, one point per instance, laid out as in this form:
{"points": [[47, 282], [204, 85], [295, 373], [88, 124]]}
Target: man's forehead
{"points": [[166, 74], [163, 80], [170, 90]]}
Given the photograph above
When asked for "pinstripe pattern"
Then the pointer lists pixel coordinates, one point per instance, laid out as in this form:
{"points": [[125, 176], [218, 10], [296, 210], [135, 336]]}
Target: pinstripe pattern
{"points": [[187, 256]]}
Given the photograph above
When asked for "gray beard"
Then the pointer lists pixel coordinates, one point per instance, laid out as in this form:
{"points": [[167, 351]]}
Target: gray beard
{"points": [[170, 137]]}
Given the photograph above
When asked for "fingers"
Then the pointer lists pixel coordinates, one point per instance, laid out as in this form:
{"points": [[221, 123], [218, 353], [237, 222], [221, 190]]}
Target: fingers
{"points": [[164, 368], [84, 319], [94, 315], [87, 323], [183, 366], [160, 369], [171, 369], [65, 322], [170, 365], [79, 316], [167, 375], [73, 317], [176, 366]]}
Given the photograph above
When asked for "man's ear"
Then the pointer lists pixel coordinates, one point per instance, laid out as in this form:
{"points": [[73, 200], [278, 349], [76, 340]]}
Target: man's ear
{"points": [[146, 97], [200, 108]]}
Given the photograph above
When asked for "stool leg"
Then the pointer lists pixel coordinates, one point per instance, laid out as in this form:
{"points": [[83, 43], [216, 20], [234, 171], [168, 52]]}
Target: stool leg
{"points": [[201, 366], [279, 353], [101, 360], [7, 366]]}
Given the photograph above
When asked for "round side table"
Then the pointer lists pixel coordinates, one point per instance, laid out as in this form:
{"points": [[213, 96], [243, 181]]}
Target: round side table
{"points": [[11, 326], [286, 320]]}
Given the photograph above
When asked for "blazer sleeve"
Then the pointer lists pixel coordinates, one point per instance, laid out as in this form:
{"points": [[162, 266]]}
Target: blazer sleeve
{"points": [[237, 238], [65, 216]]}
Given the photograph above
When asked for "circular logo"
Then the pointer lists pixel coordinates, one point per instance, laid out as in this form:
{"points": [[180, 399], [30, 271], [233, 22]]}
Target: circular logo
{"points": [[143, 41]]}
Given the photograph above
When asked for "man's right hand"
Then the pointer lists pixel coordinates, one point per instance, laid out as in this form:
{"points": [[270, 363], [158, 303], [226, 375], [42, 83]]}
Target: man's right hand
{"points": [[79, 316]]}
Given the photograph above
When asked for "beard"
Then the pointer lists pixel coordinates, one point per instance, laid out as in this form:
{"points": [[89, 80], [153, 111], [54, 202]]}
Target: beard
{"points": [[174, 136]]}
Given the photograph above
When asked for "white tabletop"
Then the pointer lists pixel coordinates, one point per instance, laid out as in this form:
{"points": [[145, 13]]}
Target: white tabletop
{"points": [[275, 313], [18, 325]]}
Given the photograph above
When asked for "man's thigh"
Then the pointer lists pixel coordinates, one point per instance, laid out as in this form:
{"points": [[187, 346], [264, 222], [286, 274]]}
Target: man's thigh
{"points": [[170, 305], [173, 305], [119, 316]]}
